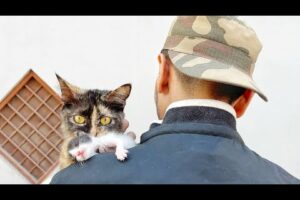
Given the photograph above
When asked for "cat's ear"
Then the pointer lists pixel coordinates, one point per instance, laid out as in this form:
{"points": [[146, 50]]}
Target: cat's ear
{"points": [[68, 91], [119, 95]]}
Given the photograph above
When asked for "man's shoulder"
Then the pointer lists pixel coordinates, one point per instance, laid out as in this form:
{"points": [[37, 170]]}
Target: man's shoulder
{"points": [[155, 161], [272, 170], [149, 162], [199, 159]]}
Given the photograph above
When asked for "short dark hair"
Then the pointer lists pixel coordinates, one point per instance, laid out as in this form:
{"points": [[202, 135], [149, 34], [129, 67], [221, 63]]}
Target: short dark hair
{"points": [[219, 90]]}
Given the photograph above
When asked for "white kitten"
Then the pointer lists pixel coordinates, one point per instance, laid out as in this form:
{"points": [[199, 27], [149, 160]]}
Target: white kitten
{"points": [[85, 146]]}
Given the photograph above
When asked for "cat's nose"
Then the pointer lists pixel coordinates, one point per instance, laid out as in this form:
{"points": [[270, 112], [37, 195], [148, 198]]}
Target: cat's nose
{"points": [[93, 130], [80, 153]]}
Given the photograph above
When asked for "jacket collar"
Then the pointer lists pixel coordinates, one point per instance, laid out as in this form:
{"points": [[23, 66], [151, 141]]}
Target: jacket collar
{"points": [[200, 120]]}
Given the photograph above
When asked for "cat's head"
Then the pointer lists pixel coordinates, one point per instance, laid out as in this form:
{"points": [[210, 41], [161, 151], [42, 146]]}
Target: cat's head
{"points": [[92, 111]]}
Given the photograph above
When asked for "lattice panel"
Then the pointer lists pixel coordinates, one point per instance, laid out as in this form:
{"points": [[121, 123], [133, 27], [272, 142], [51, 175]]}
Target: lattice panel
{"points": [[30, 136]]}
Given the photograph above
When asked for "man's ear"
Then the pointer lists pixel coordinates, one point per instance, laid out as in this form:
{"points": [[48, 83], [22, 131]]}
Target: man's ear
{"points": [[118, 95], [68, 91], [240, 105], [164, 74]]}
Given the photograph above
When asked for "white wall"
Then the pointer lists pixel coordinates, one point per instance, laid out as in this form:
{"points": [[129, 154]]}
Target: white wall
{"points": [[105, 52], [9, 174]]}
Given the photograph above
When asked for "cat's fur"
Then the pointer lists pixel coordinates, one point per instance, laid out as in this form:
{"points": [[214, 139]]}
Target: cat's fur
{"points": [[92, 104], [85, 146]]}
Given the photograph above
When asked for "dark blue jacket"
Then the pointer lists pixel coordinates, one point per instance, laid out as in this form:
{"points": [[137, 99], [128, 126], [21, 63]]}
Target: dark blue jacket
{"points": [[193, 145]]}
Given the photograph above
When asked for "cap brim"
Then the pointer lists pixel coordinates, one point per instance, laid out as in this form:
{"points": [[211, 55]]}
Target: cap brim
{"points": [[212, 70]]}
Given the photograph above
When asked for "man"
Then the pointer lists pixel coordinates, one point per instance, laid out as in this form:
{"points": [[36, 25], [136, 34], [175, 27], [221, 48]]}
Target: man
{"points": [[204, 84]]}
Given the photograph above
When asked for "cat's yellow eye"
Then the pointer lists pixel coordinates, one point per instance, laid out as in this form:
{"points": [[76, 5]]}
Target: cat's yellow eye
{"points": [[79, 119], [105, 120]]}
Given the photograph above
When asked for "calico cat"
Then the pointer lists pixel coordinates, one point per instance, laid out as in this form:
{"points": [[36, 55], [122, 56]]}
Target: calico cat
{"points": [[94, 112]]}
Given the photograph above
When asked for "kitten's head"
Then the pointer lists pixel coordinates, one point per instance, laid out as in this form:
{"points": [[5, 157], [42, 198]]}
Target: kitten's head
{"points": [[92, 111]]}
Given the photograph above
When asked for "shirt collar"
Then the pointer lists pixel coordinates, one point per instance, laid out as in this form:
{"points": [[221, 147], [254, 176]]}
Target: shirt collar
{"points": [[203, 102]]}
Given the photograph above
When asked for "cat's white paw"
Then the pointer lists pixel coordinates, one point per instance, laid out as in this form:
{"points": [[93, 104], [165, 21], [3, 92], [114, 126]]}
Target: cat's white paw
{"points": [[121, 154]]}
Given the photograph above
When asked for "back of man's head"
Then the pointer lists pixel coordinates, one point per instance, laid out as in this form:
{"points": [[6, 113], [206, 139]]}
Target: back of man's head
{"points": [[208, 57], [193, 86]]}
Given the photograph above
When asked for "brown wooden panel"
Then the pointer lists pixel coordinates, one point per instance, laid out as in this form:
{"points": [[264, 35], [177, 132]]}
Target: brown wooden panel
{"points": [[7, 112], [25, 94], [7, 130], [30, 136]]}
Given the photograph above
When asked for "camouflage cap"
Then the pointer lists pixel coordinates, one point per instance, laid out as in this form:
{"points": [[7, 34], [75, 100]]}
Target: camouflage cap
{"points": [[215, 48]]}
